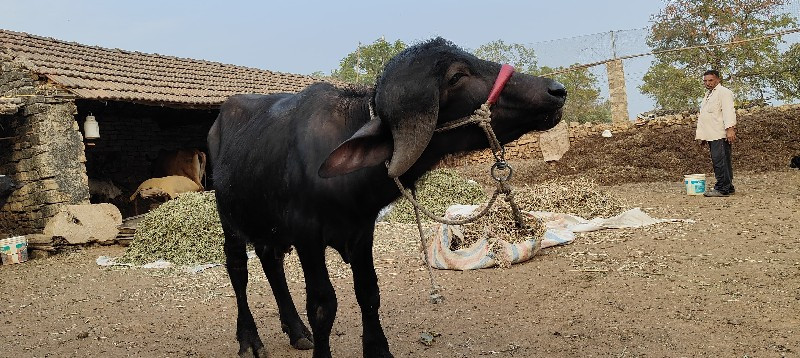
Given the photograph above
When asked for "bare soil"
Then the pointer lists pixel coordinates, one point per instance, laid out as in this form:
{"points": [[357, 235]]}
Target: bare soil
{"points": [[726, 285]]}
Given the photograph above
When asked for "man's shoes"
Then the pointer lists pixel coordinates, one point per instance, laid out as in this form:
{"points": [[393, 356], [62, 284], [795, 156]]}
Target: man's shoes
{"points": [[714, 193]]}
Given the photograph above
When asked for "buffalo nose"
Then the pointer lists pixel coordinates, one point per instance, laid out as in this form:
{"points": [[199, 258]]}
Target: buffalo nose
{"points": [[556, 89]]}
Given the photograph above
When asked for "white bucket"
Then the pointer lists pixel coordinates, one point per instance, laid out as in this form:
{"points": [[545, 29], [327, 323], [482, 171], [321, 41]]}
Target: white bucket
{"points": [[695, 184], [14, 250]]}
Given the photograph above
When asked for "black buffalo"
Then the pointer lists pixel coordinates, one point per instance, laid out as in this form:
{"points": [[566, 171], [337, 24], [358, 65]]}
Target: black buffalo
{"points": [[307, 170]]}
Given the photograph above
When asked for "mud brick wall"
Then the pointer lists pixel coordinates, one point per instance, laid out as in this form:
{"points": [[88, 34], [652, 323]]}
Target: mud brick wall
{"points": [[527, 146], [42, 150]]}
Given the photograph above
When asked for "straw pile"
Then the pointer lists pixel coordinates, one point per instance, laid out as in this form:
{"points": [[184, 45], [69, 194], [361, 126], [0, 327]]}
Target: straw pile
{"points": [[437, 190], [581, 197], [498, 224], [184, 231]]}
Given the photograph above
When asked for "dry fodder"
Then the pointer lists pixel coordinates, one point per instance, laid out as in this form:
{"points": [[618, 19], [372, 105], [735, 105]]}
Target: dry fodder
{"points": [[436, 191], [498, 224], [581, 197], [185, 230]]}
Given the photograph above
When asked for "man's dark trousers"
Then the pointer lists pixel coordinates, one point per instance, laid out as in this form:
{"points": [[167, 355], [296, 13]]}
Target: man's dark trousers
{"points": [[723, 170]]}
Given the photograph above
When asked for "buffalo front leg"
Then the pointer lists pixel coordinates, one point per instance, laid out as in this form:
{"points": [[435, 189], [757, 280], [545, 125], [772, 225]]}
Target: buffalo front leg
{"points": [[272, 262], [250, 344], [321, 298], [365, 282]]}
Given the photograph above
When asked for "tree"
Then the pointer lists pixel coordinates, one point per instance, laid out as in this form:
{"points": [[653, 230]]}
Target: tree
{"points": [[365, 63], [584, 103], [746, 67], [672, 87], [521, 57], [787, 76]]}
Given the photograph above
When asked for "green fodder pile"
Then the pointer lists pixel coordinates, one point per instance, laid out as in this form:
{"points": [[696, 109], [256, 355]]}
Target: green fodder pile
{"points": [[581, 197], [184, 231], [436, 191]]}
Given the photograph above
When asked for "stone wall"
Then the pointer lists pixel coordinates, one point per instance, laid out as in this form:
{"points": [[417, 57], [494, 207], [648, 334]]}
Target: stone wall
{"points": [[527, 147], [42, 150]]}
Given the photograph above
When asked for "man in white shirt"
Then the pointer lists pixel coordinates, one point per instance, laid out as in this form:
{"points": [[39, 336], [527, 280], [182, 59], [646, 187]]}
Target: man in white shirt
{"points": [[716, 125]]}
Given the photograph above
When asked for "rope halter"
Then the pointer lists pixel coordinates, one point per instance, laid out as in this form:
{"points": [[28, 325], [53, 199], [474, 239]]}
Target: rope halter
{"points": [[500, 171]]}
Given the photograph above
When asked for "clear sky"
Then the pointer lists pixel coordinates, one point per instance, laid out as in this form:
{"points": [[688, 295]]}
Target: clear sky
{"points": [[302, 37]]}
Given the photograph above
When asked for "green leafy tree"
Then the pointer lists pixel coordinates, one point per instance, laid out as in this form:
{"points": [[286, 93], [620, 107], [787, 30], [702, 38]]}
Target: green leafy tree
{"points": [[787, 75], [746, 67], [584, 103], [365, 63], [673, 88], [520, 56]]}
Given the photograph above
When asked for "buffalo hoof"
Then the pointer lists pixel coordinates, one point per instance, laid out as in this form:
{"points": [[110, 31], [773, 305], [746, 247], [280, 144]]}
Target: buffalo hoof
{"points": [[250, 346], [303, 344], [300, 339], [375, 352], [258, 353]]}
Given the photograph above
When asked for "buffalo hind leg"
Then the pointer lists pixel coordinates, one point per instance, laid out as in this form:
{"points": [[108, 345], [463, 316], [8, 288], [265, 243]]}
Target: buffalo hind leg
{"points": [[272, 262], [365, 283], [250, 344], [321, 298]]}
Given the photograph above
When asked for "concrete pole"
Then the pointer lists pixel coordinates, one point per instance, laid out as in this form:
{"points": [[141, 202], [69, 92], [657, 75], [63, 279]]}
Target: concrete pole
{"points": [[616, 91]]}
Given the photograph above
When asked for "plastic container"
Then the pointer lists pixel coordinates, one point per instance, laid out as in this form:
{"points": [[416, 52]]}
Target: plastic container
{"points": [[14, 250], [695, 184]]}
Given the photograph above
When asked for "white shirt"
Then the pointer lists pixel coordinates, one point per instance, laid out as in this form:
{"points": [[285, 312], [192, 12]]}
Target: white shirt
{"points": [[716, 114]]}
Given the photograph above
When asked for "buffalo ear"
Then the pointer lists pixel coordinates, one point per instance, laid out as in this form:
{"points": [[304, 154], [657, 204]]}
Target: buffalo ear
{"points": [[407, 99], [371, 145]]}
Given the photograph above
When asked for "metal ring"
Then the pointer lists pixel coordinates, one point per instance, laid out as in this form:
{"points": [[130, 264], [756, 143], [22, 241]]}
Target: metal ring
{"points": [[501, 165]]}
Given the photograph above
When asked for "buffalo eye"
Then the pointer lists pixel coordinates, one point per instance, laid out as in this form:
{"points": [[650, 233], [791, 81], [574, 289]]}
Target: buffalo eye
{"points": [[456, 77]]}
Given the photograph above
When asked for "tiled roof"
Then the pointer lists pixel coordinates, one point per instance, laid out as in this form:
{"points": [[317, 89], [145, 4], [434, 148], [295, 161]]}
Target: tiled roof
{"points": [[93, 72]]}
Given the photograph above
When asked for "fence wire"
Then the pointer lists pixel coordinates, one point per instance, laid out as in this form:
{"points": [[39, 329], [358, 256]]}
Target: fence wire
{"points": [[594, 49]]}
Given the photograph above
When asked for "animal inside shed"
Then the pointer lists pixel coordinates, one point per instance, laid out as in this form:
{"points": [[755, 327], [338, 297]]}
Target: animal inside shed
{"points": [[308, 170], [187, 162]]}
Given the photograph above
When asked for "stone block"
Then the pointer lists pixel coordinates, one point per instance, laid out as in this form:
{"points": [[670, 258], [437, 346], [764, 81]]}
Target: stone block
{"points": [[49, 184], [51, 210], [14, 207], [49, 197], [48, 171], [34, 109], [81, 224], [19, 155]]}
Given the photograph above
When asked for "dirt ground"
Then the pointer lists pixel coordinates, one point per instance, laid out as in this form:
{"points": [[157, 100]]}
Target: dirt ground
{"points": [[727, 285]]}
